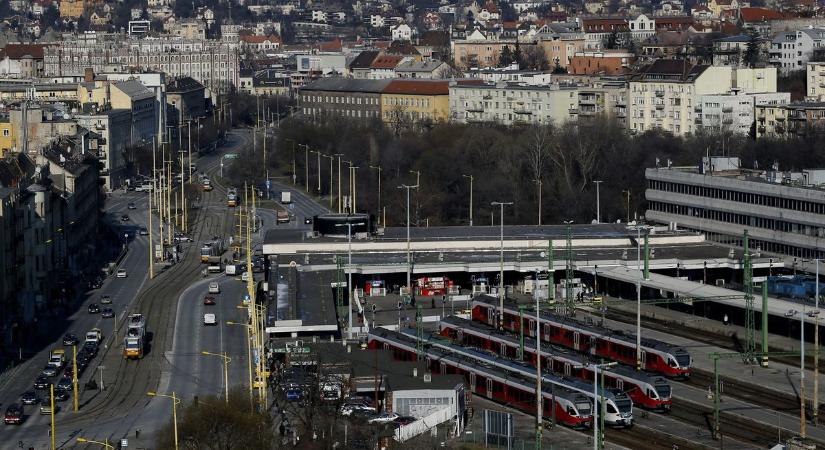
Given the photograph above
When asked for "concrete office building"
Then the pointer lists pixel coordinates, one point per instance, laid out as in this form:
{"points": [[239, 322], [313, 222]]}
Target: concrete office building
{"points": [[784, 212]]}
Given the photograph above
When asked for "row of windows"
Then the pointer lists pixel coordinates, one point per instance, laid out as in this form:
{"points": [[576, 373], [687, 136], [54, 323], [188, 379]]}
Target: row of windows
{"points": [[341, 99], [404, 101], [741, 197], [739, 219], [765, 246], [357, 113]]}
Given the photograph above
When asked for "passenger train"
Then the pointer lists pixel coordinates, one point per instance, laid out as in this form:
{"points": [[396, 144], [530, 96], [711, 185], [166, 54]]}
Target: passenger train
{"points": [[647, 390], [660, 357], [569, 407]]}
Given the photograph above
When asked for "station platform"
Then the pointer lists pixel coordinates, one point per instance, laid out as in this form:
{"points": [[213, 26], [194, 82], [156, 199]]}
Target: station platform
{"points": [[777, 376]]}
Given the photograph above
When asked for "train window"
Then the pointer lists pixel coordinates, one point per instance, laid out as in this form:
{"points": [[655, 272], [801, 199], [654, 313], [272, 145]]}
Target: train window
{"points": [[672, 362], [652, 394], [571, 411], [611, 409]]}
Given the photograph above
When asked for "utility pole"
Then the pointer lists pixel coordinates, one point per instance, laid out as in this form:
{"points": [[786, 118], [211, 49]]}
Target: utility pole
{"points": [[568, 278], [750, 323], [816, 349], [598, 205], [539, 396], [638, 301], [378, 167], [551, 271], [352, 188], [538, 182], [409, 255], [151, 230], [331, 174], [501, 205]]}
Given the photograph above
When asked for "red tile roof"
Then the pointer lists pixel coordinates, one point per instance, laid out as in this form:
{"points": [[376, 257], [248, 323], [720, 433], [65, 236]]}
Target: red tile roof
{"points": [[334, 46], [603, 25], [418, 87], [17, 51], [758, 14], [386, 62], [253, 39]]}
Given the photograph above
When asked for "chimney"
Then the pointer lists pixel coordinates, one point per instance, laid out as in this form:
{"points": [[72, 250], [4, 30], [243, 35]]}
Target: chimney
{"points": [[89, 75]]}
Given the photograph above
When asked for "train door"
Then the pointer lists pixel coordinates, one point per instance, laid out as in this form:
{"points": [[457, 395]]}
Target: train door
{"points": [[491, 317], [532, 327], [386, 346], [567, 369], [644, 359], [460, 336], [591, 345], [620, 384], [443, 367], [576, 340], [473, 382], [503, 349], [489, 388]]}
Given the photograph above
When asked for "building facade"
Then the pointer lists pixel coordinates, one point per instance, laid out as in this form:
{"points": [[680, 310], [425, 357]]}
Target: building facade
{"points": [[345, 97], [415, 102], [791, 50], [815, 79], [512, 104], [781, 217], [794, 119], [113, 127], [734, 111]]}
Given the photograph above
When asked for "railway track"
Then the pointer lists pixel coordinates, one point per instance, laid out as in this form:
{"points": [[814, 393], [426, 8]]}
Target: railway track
{"points": [[158, 303], [645, 438]]}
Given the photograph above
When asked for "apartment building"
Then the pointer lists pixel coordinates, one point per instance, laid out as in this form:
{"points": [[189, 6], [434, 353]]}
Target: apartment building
{"points": [[783, 213], [512, 104], [603, 100], [213, 63], [113, 128], [664, 94], [415, 102], [482, 49], [345, 97], [815, 80], [789, 120], [734, 111], [791, 50]]}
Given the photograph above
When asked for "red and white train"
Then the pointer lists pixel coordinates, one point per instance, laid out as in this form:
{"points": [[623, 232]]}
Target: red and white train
{"points": [[647, 390], [433, 286], [656, 356], [569, 407]]}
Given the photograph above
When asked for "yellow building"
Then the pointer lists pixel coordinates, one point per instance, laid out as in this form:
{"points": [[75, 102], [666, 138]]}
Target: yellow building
{"points": [[7, 137], [72, 8], [415, 101]]}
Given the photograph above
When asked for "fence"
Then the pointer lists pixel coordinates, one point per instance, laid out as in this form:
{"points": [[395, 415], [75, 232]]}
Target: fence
{"points": [[409, 431]]}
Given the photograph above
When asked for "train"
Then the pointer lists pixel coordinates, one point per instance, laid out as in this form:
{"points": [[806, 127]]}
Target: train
{"points": [[656, 356], [650, 391], [232, 197], [565, 406]]}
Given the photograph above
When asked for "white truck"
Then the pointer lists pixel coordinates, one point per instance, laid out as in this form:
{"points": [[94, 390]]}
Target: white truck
{"points": [[94, 336], [286, 197]]}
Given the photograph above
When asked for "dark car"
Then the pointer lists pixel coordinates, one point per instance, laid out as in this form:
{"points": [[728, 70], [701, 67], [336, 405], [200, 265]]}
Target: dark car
{"points": [[49, 371], [41, 382], [208, 300], [83, 360], [131, 206], [124, 218], [95, 283], [29, 398], [143, 231], [65, 384], [107, 313], [14, 414], [70, 339], [94, 309], [105, 299], [91, 349], [61, 396]]}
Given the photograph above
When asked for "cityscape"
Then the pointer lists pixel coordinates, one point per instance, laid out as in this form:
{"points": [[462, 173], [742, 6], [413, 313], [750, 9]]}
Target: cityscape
{"points": [[409, 224]]}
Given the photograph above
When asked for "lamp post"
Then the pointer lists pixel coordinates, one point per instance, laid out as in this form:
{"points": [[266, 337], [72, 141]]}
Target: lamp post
{"points": [[294, 175], [596, 429], [226, 361], [501, 267], [598, 205], [417, 177], [175, 401], [340, 197], [51, 414], [306, 166], [331, 173], [350, 287], [538, 182], [409, 259], [816, 348], [104, 443], [639, 300], [471, 197], [76, 398], [802, 419], [378, 167], [353, 190], [318, 152], [627, 194]]}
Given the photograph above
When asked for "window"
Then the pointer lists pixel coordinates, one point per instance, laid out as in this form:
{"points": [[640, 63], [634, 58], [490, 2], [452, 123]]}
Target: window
{"points": [[6, 132]]}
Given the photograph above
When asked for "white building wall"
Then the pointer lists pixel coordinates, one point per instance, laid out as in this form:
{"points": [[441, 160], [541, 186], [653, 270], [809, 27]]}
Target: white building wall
{"points": [[511, 105]]}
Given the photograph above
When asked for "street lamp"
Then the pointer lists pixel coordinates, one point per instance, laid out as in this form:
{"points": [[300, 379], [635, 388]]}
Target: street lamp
{"points": [[378, 167], [226, 361], [598, 205], [596, 429], [350, 287], [104, 443], [294, 175], [175, 401], [471, 197], [538, 182], [409, 259], [627, 193], [802, 419], [306, 165], [331, 160], [417, 177], [639, 299], [318, 152], [501, 261]]}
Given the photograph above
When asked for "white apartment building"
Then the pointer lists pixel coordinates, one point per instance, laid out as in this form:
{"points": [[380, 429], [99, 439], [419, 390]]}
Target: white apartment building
{"points": [[665, 93], [213, 63], [733, 111], [512, 104], [790, 50], [815, 76]]}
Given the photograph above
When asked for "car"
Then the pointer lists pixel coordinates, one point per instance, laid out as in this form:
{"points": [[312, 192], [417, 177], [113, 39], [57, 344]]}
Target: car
{"points": [[404, 420], [209, 319], [294, 394], [180, 237], [143, 231], [14, 414], [131, 205], [70, 339], [46, 408], [121, 273], [245, 276], [29, 398], [208, 300], [96, 283], [61, 396], [49, 371], [94, 308], [124, 218], [348, 409], [65, 384], [41, 383], [105, 299], [91, 349], [83, 361], [214, 288], [107, 313], [384, 417], [68, 371]]}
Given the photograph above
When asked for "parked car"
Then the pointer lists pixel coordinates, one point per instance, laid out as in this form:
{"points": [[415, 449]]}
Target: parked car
{"points": [[105, 299], [49, 371], [384, 417], [208, 300], [29, 398], [107, 313], [348, 409], [131, 205], [70, 339], [94, 308], [14, 414], [121, 273]]}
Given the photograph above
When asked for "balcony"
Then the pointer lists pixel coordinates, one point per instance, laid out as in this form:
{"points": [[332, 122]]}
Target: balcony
{"points": [[727, 109], [660, 93], [475, 109], [660, 106], [573, 111], [727, 121], [698, 121], [523, 111], [621, 113], [487, 97]]}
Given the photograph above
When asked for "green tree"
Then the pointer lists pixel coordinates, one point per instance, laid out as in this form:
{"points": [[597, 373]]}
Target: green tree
{"points": [[611, 41], [752, 50], [212, 424], [505, 58]]}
